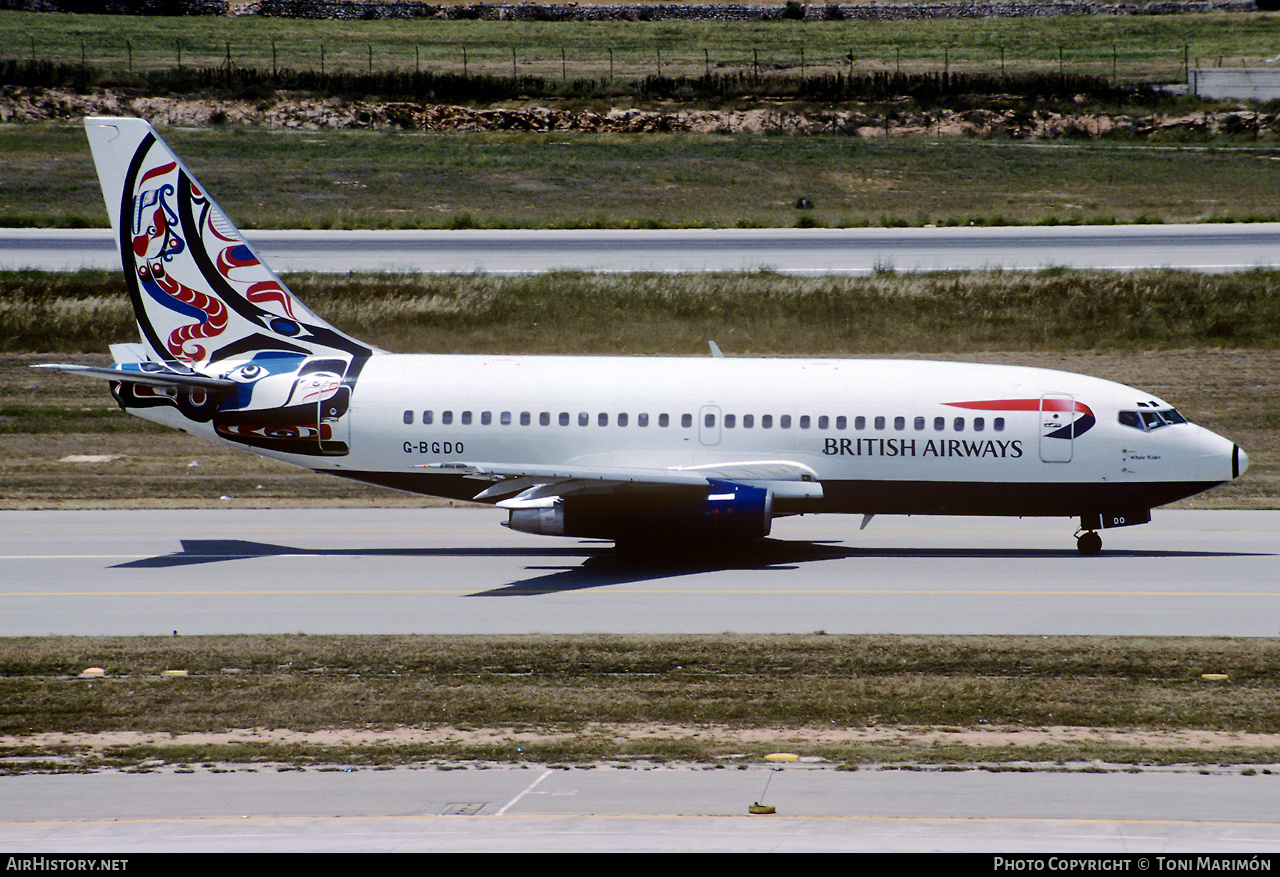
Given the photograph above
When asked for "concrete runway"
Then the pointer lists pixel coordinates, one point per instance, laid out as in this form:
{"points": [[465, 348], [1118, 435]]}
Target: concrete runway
{"points": [[1204, 247], [639, 807], [457, 571]]}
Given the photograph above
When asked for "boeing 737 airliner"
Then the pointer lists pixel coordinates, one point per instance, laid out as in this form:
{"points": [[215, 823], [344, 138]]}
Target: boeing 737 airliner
{"points": [[704, 450]]}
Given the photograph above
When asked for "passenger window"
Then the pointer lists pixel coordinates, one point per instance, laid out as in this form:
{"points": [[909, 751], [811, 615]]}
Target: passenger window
{"points": [[486, 417], [583, 418], [785, 421], [408, 417], [939, 424], [622, 420], [899, 423], [505, 418], [879, 423], [918, 423], [686, 420], [602, 419], [525, 418], [860, 423], [804, 421], [958, 424], [564, 418], [823, 421], [766, 421], [748, 421], [544, 419], [978, 424], [446, 417], [709, 420], [664, 421], [730, 420], [466, 417], [642, 420], [998, 424]]}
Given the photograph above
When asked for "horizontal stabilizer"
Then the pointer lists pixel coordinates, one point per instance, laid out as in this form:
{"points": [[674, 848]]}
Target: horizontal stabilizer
{"points": [[149, 373]]}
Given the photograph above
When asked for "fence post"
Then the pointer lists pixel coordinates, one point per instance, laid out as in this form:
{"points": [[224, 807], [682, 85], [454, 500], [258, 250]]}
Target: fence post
{"points": [[128, 47]]}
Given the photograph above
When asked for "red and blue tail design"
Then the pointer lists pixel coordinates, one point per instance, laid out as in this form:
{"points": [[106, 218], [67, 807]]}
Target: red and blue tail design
{"points": [[200, 293], [224, 340]]}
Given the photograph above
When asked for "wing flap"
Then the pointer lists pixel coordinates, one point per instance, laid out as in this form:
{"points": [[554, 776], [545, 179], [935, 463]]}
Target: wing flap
{"points": [[537, 486]]}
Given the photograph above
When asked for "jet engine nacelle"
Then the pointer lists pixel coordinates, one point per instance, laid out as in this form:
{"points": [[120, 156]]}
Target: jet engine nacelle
{"points": [[726, 512]]}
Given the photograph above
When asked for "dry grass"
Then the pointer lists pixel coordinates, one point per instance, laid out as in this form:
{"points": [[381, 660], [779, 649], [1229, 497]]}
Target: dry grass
{"points": [[847, 698]]}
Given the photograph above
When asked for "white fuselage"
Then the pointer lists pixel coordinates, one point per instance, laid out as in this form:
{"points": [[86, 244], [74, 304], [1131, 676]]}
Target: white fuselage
{"points": [[882, 436]]}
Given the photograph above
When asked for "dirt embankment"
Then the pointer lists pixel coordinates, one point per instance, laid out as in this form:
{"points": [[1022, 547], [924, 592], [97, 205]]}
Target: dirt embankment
{"points": [[288, 111]]}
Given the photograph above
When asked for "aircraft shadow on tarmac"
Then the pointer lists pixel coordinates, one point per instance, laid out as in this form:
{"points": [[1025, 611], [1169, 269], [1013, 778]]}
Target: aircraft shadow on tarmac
{"points": [[602, 565]]}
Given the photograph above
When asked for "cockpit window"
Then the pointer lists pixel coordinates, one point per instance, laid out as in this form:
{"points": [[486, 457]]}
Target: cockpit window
{"points": [[1147, 419]]}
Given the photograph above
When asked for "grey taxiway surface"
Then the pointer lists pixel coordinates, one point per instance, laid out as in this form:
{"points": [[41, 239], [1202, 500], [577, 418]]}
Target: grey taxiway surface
{"points": [[644, 807], [370, 571], [1205, 247]]}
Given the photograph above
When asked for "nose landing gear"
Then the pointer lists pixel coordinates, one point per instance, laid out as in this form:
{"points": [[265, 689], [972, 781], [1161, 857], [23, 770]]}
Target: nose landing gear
{"points": [[1089, 543]]}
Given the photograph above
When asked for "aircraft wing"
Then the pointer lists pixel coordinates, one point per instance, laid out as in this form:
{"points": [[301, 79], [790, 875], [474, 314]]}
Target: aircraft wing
{"points": [[537, 486]]}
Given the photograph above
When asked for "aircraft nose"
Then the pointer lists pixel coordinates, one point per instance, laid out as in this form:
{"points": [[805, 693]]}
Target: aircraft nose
{"points": [[1220, 459]]}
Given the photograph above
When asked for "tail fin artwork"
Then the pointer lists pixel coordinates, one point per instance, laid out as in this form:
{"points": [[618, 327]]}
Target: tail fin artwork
{"points": [[200, 292], [223, 338]]}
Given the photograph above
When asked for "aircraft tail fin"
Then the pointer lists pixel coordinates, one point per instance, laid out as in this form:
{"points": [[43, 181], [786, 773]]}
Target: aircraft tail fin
{"points": [[200, 292]]}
